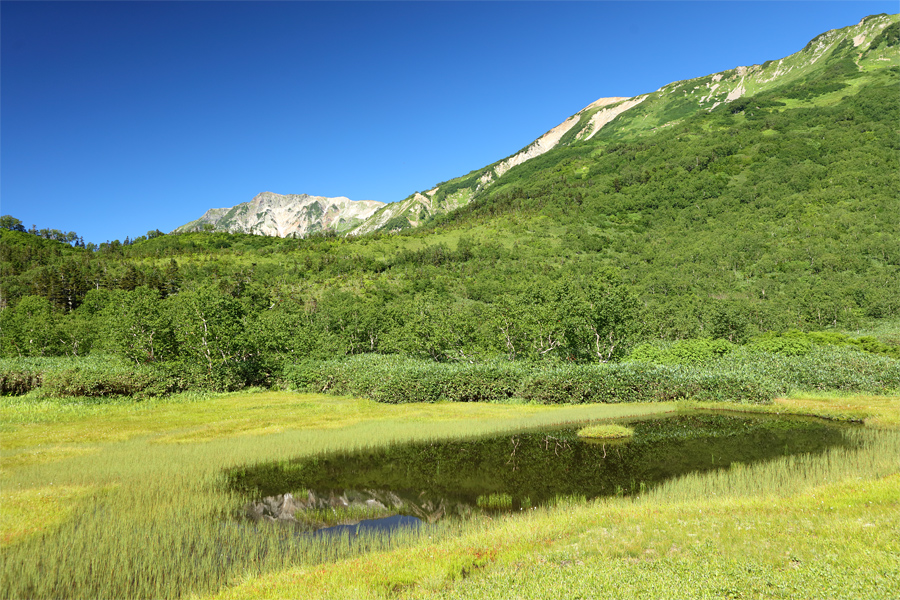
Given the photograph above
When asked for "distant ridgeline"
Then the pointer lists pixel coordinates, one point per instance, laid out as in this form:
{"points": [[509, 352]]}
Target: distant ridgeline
{"points": [[761, 199], [830, 63]]}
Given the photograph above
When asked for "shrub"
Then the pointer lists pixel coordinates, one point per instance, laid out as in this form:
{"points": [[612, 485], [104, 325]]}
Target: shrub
{"points": [[16, 382], [93, 383], [682, 352], [823, 368], [799, 343], [396, 379], [745, 375], [99, 376], [637, 382]]}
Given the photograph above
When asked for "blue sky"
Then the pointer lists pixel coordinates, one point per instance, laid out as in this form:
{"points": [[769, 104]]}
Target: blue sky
{"points": [[121, 117]]}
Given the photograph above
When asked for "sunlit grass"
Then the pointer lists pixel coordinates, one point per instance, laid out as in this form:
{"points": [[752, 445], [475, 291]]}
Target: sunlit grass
{"points": [[606, 432], [28, 422], [874, 411], [128, 500], [832, 540], [53, 505]]}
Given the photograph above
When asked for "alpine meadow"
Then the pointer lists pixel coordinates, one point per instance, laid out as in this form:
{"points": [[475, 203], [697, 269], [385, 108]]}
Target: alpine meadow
{"points": [[723, 250]]}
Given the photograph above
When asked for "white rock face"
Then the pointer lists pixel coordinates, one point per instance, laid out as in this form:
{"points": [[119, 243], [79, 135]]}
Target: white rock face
{"points": [[291, 215], [541, 145], [604, 116], [549, 140]]}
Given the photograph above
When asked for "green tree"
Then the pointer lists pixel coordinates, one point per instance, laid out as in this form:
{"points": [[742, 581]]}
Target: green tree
{"points": [[210, 327], [139, 326], [29, 329]]}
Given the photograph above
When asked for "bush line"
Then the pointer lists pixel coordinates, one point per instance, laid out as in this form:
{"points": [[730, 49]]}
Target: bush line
{"points": [[742, 374]]}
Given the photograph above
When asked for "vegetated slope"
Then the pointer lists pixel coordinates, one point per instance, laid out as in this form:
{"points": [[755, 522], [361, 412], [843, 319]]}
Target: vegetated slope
{"points": [[773, 211], [828, 59], [786, 196], [866, 45]]}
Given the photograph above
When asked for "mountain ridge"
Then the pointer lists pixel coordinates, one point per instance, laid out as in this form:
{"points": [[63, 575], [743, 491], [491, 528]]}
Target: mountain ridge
{"points": [[632, 117], [286, 215]]}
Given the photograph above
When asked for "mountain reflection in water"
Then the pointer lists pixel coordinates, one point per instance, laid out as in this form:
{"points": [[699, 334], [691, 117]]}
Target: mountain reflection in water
{"points": [[515, 471]]}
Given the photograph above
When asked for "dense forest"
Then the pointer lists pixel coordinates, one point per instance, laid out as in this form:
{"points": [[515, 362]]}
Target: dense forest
{"points": [[775, 212]]}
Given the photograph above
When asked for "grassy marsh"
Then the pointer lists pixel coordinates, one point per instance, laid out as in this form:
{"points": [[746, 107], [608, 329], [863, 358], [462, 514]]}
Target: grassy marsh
{"points": [[127, 501]]}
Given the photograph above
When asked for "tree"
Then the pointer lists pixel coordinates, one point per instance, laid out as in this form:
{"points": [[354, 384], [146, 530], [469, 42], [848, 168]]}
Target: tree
{"points": [[210, 327], [139, 327], [29, 329], [11, 223]]}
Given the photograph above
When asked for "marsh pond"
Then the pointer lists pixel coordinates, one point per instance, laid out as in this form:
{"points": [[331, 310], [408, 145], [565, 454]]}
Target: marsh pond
{"points": [[408, 484]]}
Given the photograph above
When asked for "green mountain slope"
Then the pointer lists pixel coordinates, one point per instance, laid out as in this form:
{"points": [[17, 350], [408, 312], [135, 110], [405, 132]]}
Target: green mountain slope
{"points": [[775, 210], [837, 60]]}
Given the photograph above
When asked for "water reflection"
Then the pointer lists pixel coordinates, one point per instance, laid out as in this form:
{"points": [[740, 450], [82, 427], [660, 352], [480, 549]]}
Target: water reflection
{"points": [[432, 480]]}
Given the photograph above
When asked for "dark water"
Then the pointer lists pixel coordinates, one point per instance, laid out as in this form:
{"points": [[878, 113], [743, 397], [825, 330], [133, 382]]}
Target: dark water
{"points": [[511, 472]]}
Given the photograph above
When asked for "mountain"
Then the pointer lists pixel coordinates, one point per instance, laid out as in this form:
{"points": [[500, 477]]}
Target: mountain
{"points": [[866, 46], [756, 200], [832, 56], [286, 215]]}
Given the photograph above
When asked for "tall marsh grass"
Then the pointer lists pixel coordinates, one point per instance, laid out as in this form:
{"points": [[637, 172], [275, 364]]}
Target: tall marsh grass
{"points": [[870, 454], [156, 518], [161, 523]]}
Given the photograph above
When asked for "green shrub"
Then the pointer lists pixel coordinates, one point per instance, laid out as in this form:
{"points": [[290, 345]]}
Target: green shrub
{"points": [[823, 368], [799, 343], [22, 375], [395, 379], [745, 375], [100, 376], [637, 382], [302, 376], [92, 383], [682, 352], [786, 345]]}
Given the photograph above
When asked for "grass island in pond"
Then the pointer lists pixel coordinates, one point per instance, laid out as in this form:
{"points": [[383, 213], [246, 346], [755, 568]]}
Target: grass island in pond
{"points": [[606, 432]]}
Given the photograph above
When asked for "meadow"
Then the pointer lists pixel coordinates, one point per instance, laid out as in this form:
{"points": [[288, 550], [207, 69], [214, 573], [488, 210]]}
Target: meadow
{"points": [[122, 498]]}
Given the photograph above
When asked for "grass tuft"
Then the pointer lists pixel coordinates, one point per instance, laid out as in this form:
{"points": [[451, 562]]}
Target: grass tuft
{"points": [[606, 432]]}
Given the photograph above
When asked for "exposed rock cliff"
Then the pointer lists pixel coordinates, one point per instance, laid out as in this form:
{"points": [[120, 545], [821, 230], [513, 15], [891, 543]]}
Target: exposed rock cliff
{"points": [[291, 215]]}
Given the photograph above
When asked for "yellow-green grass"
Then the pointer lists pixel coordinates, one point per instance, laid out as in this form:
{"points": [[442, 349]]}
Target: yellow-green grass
{"points": [[811, 527], [609, 431], [34, 424], [47, 443], [882, 412], [137, 506], [831, 541], [53, 503]]}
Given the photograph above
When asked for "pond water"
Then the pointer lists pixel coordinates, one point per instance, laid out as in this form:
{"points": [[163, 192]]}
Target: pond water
{"points": [[428, 481]]}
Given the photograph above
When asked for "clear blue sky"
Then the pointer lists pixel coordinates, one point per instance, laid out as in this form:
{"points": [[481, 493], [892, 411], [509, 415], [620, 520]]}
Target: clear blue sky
{"points": [[120, 117]]}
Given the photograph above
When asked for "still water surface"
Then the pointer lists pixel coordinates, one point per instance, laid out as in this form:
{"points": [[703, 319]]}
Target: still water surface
{"points": [[516, 471]]}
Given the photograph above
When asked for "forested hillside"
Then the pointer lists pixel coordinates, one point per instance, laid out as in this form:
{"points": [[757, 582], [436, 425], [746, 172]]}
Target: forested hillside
{"points": [[776, 211]]}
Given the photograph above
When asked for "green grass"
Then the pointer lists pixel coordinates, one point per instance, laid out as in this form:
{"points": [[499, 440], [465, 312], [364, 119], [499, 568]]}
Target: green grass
{"points": [[606, 432], [127, 499], [835, 541], [879, 412]]}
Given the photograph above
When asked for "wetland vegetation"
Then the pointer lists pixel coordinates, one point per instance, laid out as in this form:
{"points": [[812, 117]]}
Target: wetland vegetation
{"points": [[518, 471], [137, 499]]}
